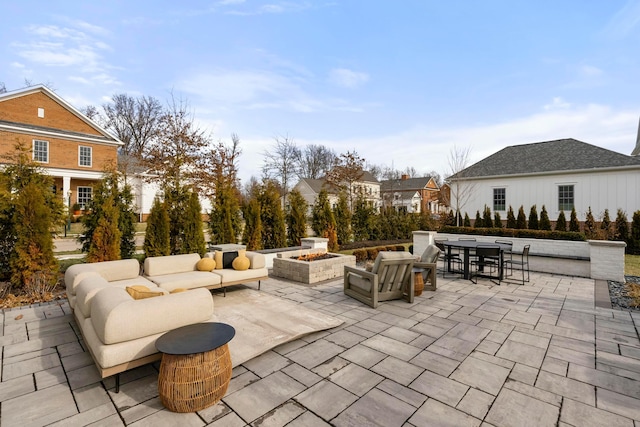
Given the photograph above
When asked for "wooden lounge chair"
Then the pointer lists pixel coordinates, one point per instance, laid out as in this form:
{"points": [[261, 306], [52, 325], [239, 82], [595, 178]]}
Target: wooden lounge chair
{"points": [[390, 278], [428, 261]]}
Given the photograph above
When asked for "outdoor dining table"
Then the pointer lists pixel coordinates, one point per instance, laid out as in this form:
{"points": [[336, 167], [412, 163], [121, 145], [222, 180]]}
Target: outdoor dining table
{"points": [[467, 246]]}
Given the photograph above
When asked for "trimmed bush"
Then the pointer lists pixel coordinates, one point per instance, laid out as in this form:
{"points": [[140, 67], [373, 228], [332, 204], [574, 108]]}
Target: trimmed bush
{"points": [[360, 254]]}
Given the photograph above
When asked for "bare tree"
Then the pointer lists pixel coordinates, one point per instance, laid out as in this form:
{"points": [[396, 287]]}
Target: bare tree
{"points": [[460, 189], [315, 161], [3, 88], [280, 163], [174, 155], [346, 172], [135, 121]]}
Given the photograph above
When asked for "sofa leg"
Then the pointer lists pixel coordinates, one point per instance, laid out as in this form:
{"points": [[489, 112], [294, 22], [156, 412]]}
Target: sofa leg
{"points": [[225, 291], [117, 383], [259, 282]]}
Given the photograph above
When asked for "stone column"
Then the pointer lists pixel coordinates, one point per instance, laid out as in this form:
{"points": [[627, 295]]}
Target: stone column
{"points": [[422, 239], [607, 260], [315, 242]]}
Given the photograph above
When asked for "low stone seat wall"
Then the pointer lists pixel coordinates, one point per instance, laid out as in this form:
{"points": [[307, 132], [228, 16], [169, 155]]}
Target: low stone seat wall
{"points": [[596, 259]]}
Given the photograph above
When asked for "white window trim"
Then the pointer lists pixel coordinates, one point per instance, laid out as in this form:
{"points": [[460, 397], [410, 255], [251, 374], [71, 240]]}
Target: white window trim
{"points": [[565, 184], [80, 147], [33, 150], [493, 195], [83, 204]]}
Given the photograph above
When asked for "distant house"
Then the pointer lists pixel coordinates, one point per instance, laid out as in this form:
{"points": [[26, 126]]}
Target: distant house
{"points": [[413, 195], [367, 186], [561, 174], [69, 146]]}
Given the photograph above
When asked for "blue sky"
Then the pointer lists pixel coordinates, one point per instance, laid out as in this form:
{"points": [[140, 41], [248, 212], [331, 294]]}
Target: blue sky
{"points": [[400, 82]]}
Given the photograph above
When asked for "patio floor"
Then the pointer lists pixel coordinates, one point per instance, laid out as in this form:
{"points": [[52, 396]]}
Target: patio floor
{"points": [[540, 354]]}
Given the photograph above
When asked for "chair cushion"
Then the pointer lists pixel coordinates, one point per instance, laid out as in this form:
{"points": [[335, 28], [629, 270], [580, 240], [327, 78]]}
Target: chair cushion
{"points": [[430, 255]]}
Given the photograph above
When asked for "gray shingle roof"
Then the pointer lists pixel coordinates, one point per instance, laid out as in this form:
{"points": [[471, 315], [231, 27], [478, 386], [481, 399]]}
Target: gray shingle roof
{"points": [[549, 156], [404, 184]]}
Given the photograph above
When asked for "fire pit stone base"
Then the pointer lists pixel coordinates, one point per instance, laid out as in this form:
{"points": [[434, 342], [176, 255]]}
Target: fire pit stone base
{"points": [[310, 272]]}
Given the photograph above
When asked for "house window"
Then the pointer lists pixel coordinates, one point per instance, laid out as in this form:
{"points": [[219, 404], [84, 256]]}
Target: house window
{"points": [[84, 156], [41, 151], [565, 197], [499, 199], [84, 196]]}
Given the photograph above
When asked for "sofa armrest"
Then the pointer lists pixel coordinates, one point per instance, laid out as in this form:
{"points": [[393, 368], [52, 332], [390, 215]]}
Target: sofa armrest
{"points": [[77, 273], [348, 270], [86, 290], [116, 317]]}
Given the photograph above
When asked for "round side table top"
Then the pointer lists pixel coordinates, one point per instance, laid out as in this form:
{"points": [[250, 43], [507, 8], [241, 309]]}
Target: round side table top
{"points": [[196, 338]]}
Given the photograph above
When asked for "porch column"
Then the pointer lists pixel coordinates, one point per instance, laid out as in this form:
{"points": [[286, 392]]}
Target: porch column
{"points": [[66, 190]]}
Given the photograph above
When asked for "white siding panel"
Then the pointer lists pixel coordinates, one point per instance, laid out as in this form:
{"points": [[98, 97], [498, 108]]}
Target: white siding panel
{"points": [[600, 190]]}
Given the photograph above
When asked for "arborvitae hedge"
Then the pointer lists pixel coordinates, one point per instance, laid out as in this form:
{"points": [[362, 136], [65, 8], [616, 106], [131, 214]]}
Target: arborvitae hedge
{"points": [[156, 239], [561, 222], [574, 224], [511, 219], [467, 221], [533, 218], [497, 221], [478, 221], [486, 217], [521, 222], [545, 223], [634, 238]]}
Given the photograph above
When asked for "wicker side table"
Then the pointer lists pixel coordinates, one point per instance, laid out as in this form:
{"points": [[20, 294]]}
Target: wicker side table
{"points": [[418, 281], [196, 366]]}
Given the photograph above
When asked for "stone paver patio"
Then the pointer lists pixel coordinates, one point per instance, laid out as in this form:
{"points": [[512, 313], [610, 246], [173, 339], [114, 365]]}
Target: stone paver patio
{"points": [[466, 355]]}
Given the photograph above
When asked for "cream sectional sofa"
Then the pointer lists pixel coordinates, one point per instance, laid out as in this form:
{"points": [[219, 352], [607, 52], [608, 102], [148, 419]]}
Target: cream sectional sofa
{"points": [[121, 331]]}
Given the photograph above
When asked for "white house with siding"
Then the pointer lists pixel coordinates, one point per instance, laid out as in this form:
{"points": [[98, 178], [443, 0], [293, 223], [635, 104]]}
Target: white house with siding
{"points": [[559, 174]]}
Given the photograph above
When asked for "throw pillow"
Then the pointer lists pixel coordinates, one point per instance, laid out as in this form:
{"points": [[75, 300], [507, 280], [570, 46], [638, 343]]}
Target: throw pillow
{"points": [[206, 264], [217, 256], [141, 292], [241, 262]]}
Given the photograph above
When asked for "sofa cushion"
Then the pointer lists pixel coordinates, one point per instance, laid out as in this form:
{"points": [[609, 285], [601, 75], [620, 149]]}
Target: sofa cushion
{"points": [[257, 260], [135, 281], [217, 256], [189, 280], [109, 355], [116, 317], [86, 290], [230, 275], [206, 264], [161, 265], [118, 270]]}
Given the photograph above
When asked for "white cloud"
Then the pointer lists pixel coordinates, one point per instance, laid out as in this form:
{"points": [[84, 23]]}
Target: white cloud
{"points": [[347, 78], [252, 90], [624, 22], [557, 103], [591, 71], [76, 48], [428, 148]]}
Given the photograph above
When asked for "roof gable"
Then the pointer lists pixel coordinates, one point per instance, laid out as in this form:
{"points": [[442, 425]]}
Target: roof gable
{"points": [[20, 110], [544, 157], [420, 183]]}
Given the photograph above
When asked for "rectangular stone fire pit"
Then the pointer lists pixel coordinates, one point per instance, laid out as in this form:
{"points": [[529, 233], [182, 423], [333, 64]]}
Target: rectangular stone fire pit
{"points": [[309, 272]]}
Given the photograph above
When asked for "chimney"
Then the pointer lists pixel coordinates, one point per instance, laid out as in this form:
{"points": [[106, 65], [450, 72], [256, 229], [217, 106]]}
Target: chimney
{"points": [[405, 177], [636, 151]]}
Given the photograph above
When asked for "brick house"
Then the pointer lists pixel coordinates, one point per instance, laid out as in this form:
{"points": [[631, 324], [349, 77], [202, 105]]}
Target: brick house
{"points": [[413, 194], [68, 145]]}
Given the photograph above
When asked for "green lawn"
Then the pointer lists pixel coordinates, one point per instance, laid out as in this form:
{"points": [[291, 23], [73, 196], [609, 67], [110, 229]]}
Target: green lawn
{"points": [[632, 265]]}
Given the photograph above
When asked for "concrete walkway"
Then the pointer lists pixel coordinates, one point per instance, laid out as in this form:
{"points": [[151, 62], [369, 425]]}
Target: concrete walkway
{"points": [[465, 355]]}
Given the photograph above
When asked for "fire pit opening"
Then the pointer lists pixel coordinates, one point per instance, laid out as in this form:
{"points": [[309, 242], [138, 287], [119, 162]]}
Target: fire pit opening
{"points": [[314, 256]]}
